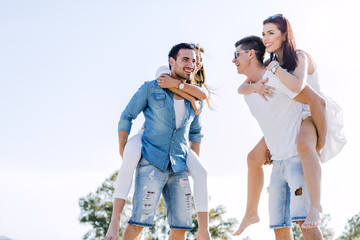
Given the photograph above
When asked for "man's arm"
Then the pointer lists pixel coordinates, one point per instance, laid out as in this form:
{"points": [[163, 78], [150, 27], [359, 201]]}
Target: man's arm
{"points": [[317, 106], [123, 137], [195, 146], [136, 105]]}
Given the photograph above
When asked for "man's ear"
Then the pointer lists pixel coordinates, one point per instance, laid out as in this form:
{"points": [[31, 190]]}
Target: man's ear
{"points": [[172, 62], [252, 53]]}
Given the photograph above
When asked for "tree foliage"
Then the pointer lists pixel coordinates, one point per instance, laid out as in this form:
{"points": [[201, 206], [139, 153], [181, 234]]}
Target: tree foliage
{"points": [[328, 233], [96, 210], [352, 228]]}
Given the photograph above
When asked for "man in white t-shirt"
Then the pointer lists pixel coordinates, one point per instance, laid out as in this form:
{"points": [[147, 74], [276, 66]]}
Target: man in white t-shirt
{"points": [[279, 119]]}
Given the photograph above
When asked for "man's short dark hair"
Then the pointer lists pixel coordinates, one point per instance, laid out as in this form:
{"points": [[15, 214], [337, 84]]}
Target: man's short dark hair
{"points": [[253, 42], [175, 50]]}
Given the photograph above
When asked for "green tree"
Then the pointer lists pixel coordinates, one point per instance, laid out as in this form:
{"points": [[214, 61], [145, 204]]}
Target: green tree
{"points": [[96, 210], [352, 228], [328, 233]]}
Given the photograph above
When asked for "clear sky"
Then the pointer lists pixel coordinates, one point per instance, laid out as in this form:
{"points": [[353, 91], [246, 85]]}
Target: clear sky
{"points": [[68, 69]]}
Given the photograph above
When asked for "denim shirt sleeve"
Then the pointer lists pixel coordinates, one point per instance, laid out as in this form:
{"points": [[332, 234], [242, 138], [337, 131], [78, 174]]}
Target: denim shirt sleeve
{"points": [[195, 134], [136, 105]]}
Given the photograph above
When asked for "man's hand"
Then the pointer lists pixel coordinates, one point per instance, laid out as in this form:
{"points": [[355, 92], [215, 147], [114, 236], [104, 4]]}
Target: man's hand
{"points": [[268, 158], [320, 144]]}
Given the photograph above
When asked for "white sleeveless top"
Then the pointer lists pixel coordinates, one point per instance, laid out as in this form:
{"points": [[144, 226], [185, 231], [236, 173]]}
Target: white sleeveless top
{"points": [[335, 138]]}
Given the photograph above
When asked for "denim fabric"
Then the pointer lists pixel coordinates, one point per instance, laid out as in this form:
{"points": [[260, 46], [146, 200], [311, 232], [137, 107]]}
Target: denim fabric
{"points": [[150, 183], [286, 202], [161, 141]]}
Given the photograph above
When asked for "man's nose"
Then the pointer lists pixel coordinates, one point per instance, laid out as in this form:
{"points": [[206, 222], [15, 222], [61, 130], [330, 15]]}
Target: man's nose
{"points": [[192, 64]]}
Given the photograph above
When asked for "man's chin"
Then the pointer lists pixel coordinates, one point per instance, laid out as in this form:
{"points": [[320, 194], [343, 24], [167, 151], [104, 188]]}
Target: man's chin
{"points": [[185, 76]]}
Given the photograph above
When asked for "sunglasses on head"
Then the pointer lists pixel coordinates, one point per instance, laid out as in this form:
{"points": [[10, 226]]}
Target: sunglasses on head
{"points": [[276, 16]]}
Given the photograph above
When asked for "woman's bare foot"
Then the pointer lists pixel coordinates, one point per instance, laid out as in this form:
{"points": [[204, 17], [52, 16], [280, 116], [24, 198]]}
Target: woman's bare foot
{"points": [[313, 219], [203, 235], [247, 221], [112, 232]]}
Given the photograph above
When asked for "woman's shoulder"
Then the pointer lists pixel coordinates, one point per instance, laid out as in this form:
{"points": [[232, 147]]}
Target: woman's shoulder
{"points": [[302, 56]]}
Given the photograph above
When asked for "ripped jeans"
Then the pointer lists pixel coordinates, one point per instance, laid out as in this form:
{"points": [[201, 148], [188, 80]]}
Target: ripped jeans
{"points": [[150, 182], [288, 194]]}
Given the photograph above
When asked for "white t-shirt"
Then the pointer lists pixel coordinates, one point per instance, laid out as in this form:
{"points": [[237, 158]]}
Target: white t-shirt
{"points": [[279, 118], [180, 112]]}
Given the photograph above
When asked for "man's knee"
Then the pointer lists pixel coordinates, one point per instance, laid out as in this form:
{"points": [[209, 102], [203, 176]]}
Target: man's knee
{"points": [[283, 233], [177, 234], [134, 228], [132, 232]]}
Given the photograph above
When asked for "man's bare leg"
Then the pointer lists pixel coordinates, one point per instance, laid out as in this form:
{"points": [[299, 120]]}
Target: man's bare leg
{"points": [[283, 233], [256, 158], [177, 234], [132, 232], [203, 231]]}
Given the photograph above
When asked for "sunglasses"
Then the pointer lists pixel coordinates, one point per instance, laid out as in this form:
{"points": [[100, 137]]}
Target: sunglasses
{"points": [[276, 16], [236, 53]]}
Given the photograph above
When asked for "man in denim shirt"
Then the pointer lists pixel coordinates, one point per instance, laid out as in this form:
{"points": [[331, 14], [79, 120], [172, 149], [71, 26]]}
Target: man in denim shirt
{"points": [[162, 168]]}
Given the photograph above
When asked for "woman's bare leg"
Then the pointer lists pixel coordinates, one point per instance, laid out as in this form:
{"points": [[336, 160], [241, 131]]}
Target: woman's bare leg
{"points": [[114, 226], [306, 142], [256, 158]]}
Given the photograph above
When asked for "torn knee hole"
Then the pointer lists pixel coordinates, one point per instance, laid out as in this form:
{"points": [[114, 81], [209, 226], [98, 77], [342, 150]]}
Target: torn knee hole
{"points": [[298, 192]]}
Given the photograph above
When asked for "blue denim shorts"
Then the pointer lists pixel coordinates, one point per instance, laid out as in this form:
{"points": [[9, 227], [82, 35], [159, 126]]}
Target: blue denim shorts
{"points": [[288, 194], [150, 182]]}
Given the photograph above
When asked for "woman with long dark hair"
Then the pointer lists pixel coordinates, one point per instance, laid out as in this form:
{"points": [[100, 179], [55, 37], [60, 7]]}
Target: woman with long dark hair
{"points": [[294, 68]]}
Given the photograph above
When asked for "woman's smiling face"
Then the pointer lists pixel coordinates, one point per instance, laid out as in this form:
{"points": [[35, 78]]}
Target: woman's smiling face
{"points": [[272, 38]]}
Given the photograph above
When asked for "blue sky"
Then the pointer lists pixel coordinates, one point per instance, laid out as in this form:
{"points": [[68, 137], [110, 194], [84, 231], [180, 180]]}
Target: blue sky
{"points": [[68, 69]]}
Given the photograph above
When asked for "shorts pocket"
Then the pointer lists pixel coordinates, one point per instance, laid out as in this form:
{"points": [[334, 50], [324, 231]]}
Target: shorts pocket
{"points": [[144, 163]]}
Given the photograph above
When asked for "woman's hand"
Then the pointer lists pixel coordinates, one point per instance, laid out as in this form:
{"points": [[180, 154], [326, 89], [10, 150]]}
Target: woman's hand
{"points": [[271, 65], [196, 106], [263, 90], [165, 81]]}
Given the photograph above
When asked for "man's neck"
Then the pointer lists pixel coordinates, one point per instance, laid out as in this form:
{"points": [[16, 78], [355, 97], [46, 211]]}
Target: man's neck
{"points": [[255, 73], [173, 75]]}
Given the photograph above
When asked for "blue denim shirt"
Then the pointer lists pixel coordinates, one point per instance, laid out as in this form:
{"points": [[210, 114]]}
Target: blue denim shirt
{"points": [[161, 141]]}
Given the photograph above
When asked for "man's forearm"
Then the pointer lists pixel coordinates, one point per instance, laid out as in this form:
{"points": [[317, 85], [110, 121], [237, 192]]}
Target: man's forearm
{"points": [[123, 137], [195, 146]]}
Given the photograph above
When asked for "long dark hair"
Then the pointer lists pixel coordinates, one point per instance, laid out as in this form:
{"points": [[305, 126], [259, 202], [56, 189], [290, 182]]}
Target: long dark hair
{"points": [[200, 76], [289, 47]]}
